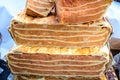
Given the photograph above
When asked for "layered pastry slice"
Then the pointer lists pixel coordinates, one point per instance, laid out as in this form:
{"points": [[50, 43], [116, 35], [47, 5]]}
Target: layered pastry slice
{"points": [[39, 8], [48, 31], [80, 11], [64, 62], [30, 77]]}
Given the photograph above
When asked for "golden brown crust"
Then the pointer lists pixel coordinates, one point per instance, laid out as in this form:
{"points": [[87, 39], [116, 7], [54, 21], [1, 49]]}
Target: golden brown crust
{"points": [[47, 61], [77, 11], [48, 32]]}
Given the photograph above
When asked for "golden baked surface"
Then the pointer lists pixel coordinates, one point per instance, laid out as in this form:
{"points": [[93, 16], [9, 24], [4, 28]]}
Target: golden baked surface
{"points": [[81, 11], [48, 31], [51, 61]]}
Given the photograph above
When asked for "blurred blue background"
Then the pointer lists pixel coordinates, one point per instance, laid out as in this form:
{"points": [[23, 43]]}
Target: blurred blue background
{"points": [[9, 8]]}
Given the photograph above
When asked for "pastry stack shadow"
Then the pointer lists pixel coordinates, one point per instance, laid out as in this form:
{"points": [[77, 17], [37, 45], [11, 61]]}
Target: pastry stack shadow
{"points": [[61, 40]]}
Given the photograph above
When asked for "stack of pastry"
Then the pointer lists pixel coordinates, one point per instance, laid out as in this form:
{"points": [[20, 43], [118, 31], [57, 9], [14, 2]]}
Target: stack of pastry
{"points": [[60, 40]]}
